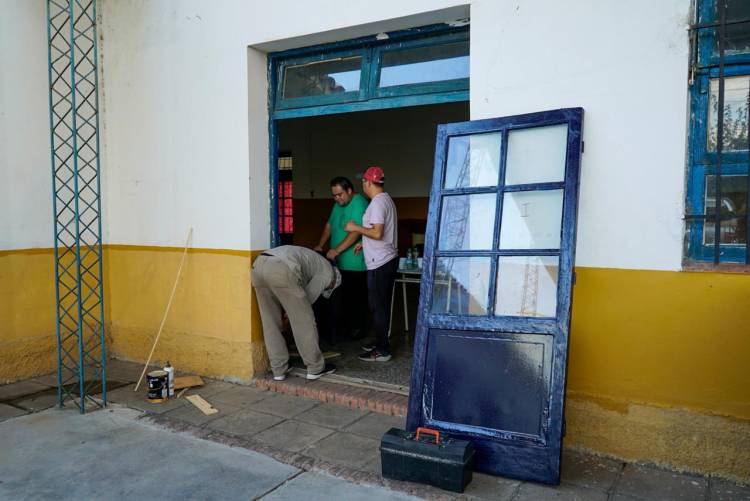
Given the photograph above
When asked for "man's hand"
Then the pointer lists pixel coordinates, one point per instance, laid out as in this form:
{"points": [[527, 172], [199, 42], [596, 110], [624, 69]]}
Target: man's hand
{"points": [[358, 248], [332, 254], [318, 248], [351, 226]]}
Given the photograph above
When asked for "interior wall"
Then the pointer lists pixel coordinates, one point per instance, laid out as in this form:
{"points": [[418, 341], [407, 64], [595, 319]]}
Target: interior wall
{"points": [[400, 141]]}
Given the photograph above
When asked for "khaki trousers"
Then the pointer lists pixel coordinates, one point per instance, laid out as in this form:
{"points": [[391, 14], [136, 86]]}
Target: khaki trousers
{"points": [[277, 287]]}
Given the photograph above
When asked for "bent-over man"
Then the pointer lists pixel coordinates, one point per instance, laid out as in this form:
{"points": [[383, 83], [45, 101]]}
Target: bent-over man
{"points": [[293, 278]]}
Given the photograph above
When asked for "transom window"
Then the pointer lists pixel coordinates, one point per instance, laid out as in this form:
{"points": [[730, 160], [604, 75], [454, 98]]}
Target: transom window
{"points": [[371, 71], [717, 202]]}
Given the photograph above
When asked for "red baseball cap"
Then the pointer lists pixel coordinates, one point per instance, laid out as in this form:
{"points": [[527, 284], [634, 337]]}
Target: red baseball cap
{"points": [[373, 174]]}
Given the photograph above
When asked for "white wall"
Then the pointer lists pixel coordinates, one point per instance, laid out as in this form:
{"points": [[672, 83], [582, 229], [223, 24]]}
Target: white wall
{"points": [[626, 64], [181, 149], [25, 168], [185, 126], [400, 141]]}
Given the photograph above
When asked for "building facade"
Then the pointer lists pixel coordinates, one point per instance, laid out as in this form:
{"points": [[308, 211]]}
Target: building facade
{"points": [[659, 339]]}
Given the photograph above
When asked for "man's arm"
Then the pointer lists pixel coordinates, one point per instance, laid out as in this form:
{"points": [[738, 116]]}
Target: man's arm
{"points": [[347, 242], [376, 232], [324, 237]]}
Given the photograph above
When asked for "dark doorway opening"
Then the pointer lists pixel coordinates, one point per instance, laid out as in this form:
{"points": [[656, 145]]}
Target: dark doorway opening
{"points": [[312, 151]]}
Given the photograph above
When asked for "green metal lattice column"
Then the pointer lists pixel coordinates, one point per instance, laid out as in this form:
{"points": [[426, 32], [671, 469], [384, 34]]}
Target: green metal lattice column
{"points": [[74, 133]]}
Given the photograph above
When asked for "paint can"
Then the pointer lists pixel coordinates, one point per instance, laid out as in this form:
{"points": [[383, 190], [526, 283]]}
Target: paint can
{"points": [[170, 378], [158, 386]]}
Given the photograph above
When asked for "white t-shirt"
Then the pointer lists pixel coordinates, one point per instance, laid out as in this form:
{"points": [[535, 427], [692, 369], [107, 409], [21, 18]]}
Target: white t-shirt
{"points": [[381, 210]]}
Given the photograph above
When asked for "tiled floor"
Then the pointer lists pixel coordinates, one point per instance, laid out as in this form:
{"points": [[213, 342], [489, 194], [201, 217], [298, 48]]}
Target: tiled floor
{"points": [[314, 433]]}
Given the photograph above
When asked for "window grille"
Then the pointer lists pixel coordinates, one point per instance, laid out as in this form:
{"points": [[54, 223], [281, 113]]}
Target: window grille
{"points": [[717, 215]]}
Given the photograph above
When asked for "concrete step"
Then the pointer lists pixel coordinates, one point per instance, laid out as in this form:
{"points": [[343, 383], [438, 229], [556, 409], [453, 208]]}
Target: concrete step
{"points": [[352, 394]]}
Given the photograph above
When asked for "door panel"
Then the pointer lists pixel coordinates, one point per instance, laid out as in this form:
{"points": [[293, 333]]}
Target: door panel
{"points": [[513, 406], [531, 219], [492, 330]]}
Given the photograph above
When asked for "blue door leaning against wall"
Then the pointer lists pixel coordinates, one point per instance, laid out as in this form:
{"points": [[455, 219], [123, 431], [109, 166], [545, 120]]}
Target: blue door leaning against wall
{"points": [[494, 315]]}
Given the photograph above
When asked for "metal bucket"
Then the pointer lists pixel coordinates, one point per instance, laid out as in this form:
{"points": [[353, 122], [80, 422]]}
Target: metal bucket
{"points": [[158, 386]]}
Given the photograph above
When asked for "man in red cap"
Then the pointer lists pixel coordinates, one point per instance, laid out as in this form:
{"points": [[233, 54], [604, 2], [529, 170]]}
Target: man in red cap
{"points": [[379, 240]]}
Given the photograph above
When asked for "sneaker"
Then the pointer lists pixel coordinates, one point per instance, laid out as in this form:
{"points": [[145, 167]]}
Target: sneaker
{"points": [[375, 356], [282, 377], [328, 369], [369, 347]]}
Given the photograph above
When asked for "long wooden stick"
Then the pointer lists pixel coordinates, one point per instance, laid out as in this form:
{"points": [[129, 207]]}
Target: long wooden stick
{"points": [[166, 312]]}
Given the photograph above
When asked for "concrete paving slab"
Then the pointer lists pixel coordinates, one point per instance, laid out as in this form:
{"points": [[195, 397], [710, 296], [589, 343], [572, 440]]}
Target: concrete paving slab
{"points": [[8, 411], [650, 483], [293, 435], [128, 372], [489, 487], [723, 490], [563, 492], [240, 396], [317, 487], [109, 454], [284, 405], [589, 471], [346, 449], [20, 389], [374, 466], [374, 425], [331, 416], [210, 388], [49, 380], [38, 402], [244, 423], [191, 414], [137, 400]]}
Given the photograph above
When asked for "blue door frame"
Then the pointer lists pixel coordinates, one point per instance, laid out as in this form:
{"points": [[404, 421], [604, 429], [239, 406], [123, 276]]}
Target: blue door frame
{"points": [[369, 98], [469, 370]]}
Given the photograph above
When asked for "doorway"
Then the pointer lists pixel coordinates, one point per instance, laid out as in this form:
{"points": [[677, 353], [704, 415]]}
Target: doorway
{"points": [[314, 150]]}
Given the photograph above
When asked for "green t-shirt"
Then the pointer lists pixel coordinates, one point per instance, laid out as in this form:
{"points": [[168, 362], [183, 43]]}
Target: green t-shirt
{"points": [[353, 211]]}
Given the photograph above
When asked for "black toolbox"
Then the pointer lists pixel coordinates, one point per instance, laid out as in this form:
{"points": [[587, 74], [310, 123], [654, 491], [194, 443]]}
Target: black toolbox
{"points": [[428, 457]]}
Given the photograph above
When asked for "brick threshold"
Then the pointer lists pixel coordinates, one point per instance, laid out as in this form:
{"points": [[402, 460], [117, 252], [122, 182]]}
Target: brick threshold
{"points": [[355, 397]]}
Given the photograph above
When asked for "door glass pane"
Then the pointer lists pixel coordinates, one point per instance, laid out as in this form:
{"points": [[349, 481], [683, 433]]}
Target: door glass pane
{"points": [[434, 63], [735, 113], [467, 222], [323, 77], [536, 155], [461, 285], [527, 286], [473, 161], [733, 210], [531, 220]]}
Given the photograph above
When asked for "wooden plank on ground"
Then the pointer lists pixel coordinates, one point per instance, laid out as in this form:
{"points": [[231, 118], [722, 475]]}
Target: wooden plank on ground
{"points": [[187, 382], [202, 405]]}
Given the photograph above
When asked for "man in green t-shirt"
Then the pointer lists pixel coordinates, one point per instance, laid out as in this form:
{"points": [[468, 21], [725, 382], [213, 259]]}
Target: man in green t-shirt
{"points": [[349, 303]]}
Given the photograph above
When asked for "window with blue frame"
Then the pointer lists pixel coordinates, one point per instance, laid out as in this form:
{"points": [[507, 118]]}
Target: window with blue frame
{"points": [[717, 216], [411, 63]]}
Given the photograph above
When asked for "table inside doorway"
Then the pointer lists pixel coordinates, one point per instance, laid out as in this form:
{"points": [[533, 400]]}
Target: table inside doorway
{"points": [[405, 275]]}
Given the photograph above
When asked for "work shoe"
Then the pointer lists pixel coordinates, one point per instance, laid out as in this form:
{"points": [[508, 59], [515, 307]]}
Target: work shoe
{"points": [[375, 356], [369, 347], [328, 369], [282, 377]]}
